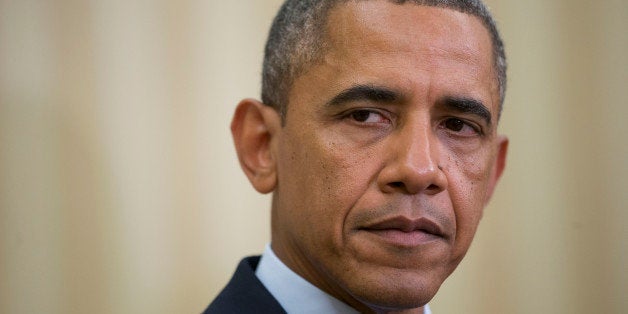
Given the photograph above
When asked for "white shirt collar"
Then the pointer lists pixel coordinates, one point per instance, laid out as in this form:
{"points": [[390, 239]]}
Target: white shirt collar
{"points": [[295, 294]]}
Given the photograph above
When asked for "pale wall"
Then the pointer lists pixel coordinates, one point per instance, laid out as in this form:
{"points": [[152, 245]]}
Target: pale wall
{"points": [[120, 191]]}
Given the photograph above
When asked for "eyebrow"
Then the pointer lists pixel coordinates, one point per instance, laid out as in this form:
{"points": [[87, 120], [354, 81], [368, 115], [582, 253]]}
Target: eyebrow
{"points": [[469, 106], [380, 94], [364, 92]]}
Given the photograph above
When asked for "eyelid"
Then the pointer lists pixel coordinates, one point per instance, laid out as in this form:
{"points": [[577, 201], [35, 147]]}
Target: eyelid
{"points": [[384, 113], [477, 127], [468, 106], [380, 111]]}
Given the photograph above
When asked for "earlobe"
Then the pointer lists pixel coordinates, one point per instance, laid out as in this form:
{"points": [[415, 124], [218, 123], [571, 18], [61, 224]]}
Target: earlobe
{"points": [[255, 128], [498, 166]]}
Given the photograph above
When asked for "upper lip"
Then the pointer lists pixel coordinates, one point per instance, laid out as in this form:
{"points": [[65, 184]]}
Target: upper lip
{"points": [[406, 224]]}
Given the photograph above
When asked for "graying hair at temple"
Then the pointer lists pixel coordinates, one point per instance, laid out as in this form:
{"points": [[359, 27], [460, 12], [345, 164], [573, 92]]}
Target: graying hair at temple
{"points": [[297, 40]]}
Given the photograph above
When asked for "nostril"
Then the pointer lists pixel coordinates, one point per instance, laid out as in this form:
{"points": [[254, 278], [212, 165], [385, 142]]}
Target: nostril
{"points": [[401, 185], [433, 187]]}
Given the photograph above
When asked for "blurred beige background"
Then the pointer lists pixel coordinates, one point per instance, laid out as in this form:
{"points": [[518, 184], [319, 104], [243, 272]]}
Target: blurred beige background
{"points": [[120, 191]]}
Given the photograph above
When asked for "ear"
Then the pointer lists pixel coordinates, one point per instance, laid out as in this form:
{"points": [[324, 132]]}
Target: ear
{"points": [[498, 166], [255, 128]]}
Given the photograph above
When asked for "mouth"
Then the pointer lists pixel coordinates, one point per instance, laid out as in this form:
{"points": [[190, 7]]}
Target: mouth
{"points": [[402, 231]]}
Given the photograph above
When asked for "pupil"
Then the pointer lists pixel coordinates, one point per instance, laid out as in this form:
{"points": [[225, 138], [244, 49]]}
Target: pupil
{"points": [[361, 116], [455, 125]]}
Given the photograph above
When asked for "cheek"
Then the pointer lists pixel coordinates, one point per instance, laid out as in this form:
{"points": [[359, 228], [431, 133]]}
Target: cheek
{"points": [[339, 166], [470, 173], [320, 179], [467, 185]]}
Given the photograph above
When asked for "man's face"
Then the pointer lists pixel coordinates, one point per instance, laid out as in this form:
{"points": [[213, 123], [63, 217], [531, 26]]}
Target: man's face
{"points": [[389, 153]]}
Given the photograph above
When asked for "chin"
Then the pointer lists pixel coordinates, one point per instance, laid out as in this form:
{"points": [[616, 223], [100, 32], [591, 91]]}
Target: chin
{"points": [[397, 292]]}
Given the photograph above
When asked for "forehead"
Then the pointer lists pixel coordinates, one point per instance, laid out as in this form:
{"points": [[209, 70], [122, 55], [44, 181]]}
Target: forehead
{"points": [[412, 27], [383, 40]]}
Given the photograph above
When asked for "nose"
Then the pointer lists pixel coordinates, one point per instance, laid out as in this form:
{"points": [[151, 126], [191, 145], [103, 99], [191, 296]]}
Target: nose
{"points": [[412, 163]]}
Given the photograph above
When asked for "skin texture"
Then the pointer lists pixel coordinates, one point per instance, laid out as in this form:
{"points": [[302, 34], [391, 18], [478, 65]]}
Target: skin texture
{"points": [[381, 171]]}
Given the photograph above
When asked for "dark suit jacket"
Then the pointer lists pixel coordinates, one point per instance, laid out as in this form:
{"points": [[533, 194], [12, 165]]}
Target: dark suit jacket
{"points": [[245, 293]]}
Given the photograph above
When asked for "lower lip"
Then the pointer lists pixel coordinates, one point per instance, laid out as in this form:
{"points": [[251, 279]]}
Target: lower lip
{"points": [[404, 239]]}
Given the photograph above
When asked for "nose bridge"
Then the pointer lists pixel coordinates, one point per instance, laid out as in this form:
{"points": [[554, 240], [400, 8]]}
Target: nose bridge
{"points": [[418, 149]]}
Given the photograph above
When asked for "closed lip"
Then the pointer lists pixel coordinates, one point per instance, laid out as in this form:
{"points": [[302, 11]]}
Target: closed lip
{"points": [[406, 225]]}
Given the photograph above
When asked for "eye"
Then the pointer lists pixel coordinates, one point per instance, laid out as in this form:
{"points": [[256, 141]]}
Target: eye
{"points": [[367, 116], [454, 124], [460, 127]]}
